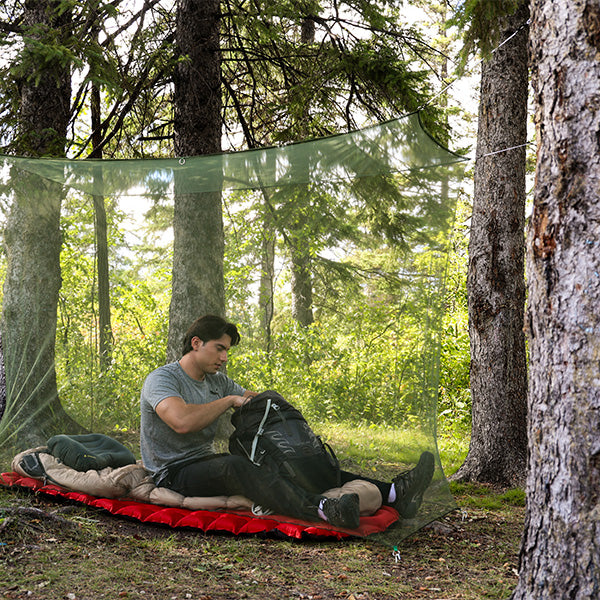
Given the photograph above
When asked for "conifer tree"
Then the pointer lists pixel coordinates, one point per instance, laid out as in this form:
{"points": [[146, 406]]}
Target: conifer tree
{"points": [[560, 550], [302, 70], [197, 285], [495, 282], [32, 236]]}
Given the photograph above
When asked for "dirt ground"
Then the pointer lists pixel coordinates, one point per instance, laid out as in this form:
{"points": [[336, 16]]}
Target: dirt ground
{"points": [[70, 552]]}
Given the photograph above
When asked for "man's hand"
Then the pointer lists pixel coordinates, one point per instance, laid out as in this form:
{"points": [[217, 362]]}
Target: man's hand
{"points": [[237, 401], [241, 400]]}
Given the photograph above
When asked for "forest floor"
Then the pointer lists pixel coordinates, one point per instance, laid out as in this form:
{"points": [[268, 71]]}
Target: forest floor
{"points": [[52, 551]]}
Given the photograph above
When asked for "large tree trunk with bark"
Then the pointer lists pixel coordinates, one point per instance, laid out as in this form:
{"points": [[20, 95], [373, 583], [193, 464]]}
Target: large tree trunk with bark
{"points": [[29, 311], [560, 554], [198, 286], [495, 281], [33, 242]]}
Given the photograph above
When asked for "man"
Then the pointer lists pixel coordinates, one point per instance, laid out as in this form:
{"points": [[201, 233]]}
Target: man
{"points": [[180, 405]]}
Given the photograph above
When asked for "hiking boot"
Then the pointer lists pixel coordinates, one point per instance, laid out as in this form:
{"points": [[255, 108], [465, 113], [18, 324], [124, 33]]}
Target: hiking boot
{"points": [[343, 511], [411, 485]]}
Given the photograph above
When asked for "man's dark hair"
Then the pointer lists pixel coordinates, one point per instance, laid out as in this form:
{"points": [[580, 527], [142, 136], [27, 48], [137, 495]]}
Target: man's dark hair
{"points": [[210, 327]]}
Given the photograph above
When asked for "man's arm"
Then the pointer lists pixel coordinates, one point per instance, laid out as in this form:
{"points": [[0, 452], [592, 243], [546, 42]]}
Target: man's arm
{"points": [[186, 418]]}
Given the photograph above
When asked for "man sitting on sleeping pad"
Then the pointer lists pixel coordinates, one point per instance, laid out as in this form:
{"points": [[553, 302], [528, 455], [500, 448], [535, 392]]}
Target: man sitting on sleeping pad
{"points": [[180, 405]]}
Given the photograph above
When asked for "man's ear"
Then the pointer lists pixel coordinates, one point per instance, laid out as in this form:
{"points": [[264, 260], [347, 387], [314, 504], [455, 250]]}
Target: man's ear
{"points": [[197, 342]]}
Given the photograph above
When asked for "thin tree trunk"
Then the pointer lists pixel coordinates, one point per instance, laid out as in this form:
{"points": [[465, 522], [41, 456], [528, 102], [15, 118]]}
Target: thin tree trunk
{"points": [[199, 246], [560, 553], [266, 290], [2, 380], [302, 292], [101, 231], [495, 281], [104, 320], [302, 296]]}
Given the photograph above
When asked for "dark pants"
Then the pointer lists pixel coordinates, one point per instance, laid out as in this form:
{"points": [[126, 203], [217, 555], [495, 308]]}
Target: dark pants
{"points": [[228, 475]]}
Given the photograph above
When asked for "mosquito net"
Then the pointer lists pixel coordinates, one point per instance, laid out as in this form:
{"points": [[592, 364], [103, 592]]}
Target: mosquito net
{"points": [[366, 217]]}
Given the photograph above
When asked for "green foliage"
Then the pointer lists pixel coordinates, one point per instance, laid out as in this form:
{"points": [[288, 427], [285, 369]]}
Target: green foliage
{"points": [[124, 49], [41, 57], [324, 67], [454, 402], [479, 20], [103, 399], [363, 365]]}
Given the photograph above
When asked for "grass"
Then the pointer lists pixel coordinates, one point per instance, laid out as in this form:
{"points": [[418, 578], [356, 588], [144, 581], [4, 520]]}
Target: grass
{"points": [[60, 551], [373, 445]]}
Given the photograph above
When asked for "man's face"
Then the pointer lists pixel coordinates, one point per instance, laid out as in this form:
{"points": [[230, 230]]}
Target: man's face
{"points": [[212, 355]]}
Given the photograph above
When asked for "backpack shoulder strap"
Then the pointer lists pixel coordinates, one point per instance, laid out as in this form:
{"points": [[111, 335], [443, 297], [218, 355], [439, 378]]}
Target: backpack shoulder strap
{"points": [[260, 430]]}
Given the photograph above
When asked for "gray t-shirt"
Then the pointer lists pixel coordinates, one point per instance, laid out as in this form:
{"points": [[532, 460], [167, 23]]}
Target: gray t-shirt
{"points": [[160, 445]]}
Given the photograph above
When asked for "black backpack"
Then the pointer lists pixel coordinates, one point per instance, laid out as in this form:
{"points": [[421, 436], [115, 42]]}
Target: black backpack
{"points": [[270, 432]]}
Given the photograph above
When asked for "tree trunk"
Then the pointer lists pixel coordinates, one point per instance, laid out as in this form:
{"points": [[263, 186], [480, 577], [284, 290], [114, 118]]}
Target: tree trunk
{"points": [[101, 231], [29, 312], [302, 292], [33, 242], [495, 280], [2, 380], [302, 297], [102, 267], [560, 553], [199, 245], [266, 291]]}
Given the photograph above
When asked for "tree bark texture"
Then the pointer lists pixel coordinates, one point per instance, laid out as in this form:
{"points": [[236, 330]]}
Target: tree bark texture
{"points": [[197, 94], [198, 286], [33, 243], [560, 553], [44, 107], [495, 280], [198, 251], [29, 311]]}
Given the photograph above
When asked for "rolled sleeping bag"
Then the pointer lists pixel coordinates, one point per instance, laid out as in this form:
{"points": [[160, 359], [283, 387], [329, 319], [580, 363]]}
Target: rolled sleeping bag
{"points": [[90, 451]]}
